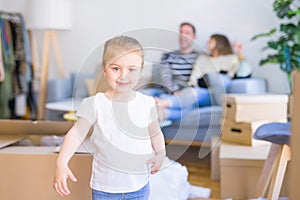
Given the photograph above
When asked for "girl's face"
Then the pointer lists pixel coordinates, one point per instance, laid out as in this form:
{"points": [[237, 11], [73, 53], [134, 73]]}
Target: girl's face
{"points": [[124, 72], [212, 44]]}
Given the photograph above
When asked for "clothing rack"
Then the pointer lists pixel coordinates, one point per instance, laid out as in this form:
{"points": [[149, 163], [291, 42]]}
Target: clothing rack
{"points": [[16, 70]]}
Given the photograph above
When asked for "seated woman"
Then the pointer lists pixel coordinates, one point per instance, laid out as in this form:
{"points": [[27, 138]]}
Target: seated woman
{"points": [[221, 60]]}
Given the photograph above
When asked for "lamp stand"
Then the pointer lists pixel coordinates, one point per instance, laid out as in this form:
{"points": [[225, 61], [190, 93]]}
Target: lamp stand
{"points": [[49, 37]]}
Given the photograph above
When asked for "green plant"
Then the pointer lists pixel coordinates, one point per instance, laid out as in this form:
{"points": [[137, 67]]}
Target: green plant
{"points": [[285, 41]]}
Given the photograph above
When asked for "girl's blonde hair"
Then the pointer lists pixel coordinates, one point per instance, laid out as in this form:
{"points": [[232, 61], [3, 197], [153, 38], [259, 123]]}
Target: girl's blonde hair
{"points": [[121, 45]]}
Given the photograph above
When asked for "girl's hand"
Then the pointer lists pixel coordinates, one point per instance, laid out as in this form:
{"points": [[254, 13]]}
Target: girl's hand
{"points": [[156, 162], [60, 182]]}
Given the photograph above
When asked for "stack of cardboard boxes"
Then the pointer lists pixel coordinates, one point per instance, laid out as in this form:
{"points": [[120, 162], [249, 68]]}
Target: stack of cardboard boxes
{"points": [[241, 157], [243, 114]]}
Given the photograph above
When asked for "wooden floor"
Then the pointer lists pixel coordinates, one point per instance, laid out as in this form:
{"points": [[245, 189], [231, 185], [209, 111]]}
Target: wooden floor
{"points": [[199, 169]]}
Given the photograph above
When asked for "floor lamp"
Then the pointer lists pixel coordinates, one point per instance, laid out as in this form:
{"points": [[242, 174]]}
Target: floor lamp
{"points": [[49, 16]]}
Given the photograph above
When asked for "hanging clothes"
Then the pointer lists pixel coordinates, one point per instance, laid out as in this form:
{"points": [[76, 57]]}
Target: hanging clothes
{"points": [[2, 71], [31, 101], [6, 87], [17, 65]]}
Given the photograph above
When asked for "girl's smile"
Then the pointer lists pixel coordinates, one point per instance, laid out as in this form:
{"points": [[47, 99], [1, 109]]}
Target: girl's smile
{"points": [[124, 73]]}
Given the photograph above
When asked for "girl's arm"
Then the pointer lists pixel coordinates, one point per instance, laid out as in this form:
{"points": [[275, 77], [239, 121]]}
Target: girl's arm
{"points": [[72, 140], [158, 145]]}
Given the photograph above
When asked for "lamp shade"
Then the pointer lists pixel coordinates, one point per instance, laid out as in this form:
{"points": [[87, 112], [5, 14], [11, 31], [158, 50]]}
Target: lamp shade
{"points": [[49, 14]]}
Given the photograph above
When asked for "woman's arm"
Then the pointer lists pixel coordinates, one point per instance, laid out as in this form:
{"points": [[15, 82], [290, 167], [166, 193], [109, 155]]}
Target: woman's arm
{"points": [[158, 145], [199, 68], [72, 140]]}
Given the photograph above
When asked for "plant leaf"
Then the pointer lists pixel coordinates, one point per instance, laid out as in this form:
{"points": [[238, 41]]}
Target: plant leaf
{"points": [[281, 8], [273, 44], [271, 32], [289, 29], [293, 12], [271, 59]]}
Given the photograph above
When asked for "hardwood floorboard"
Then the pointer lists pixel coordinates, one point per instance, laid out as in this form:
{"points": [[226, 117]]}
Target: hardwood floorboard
{"points": [[199, 169]]}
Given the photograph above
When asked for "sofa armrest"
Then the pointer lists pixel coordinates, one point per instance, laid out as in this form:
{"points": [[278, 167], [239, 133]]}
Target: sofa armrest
{"points": [[59, 89], [248, 86]]}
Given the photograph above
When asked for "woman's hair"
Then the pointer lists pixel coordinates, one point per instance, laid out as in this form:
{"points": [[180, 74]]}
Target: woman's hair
{"points": [[223, 46], [121, 45]]}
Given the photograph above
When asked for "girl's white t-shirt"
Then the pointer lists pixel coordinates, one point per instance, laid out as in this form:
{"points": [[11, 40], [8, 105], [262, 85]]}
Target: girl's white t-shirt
{"points": [[121, 141]]}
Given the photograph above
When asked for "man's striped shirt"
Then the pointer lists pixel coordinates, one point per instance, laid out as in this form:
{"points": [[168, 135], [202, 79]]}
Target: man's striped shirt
{"points": [[176, 70]]}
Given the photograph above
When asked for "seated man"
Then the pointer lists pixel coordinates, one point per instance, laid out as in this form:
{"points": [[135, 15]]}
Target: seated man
{"points": [[177, 65]]}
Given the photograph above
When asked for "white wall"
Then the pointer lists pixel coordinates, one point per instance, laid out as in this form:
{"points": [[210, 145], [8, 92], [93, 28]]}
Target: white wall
{"points": [[95, 21]]}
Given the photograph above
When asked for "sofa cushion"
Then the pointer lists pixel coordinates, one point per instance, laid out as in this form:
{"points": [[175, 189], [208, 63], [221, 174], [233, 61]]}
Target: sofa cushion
{"points": [[248, 86], [203, 116], [218, 86], [198, 125], [59, 89], [190, 134], [79, 86]]}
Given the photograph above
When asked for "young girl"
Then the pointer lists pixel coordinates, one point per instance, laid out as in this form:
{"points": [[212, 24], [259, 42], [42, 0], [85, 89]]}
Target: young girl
{"points": [[126, 130]]}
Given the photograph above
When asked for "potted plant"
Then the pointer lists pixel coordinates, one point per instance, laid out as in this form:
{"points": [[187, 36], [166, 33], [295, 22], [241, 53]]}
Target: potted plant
{"points": [[285, 41]]}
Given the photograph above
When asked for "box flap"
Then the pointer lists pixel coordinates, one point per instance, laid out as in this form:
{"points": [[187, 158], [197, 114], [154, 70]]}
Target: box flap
{"points": [[85, 147], [27, 127], [250, 98], [25, 150], [258, 151], [6, 140]]}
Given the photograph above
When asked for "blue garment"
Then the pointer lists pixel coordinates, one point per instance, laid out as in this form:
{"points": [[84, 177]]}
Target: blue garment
{"points": [[189, 98], [28, 58], [142, 194], [155, 92]]}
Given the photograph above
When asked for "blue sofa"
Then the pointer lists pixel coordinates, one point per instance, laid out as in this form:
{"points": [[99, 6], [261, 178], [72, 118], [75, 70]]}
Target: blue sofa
{"points": [[195, 128]]}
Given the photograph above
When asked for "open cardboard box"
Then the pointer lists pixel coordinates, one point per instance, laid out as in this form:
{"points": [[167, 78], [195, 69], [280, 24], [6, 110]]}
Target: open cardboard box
{"points": [[28, 172]]}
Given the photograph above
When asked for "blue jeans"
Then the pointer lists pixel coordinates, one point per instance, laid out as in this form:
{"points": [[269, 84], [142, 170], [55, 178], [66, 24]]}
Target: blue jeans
{"points": [[142, 194], [185, 101], [189, 98], [155, 92], [182, 103]]}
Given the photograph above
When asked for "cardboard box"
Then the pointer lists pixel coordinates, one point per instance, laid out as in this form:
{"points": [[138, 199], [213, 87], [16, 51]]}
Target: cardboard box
{"points": [[240, 132], [248, 108], [27, 127], [28, 172], [240, 169], [294, 164]]}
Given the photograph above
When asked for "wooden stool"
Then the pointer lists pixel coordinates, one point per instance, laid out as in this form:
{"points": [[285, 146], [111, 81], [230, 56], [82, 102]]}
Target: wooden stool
{"points": [[276, 163]]}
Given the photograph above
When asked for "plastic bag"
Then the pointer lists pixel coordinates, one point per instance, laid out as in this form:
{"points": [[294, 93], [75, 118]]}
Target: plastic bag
{"points": [[170, 183]]}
